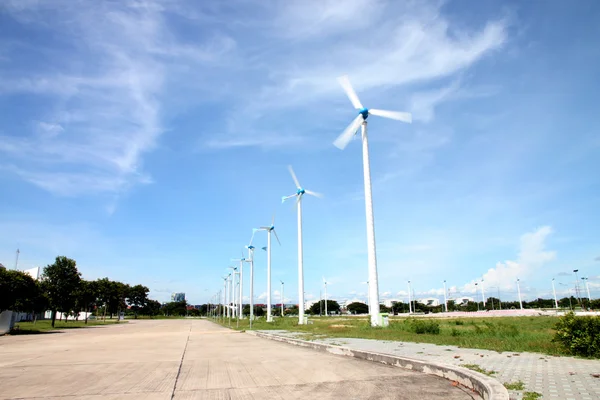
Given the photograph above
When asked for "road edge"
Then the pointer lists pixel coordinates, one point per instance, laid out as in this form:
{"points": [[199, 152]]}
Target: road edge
{"points": [[488, 388]]}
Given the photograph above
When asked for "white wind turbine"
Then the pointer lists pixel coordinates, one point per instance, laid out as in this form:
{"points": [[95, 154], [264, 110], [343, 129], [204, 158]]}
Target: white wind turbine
{"points": [[250, 259], [269, 229], [341, 142], [242, 260], [300, 191]]}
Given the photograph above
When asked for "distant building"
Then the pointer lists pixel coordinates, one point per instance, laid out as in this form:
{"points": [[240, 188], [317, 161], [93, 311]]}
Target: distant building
{"points": [[429, 302], [177, 296], [347, 302], [390, 302], [462, 301]]}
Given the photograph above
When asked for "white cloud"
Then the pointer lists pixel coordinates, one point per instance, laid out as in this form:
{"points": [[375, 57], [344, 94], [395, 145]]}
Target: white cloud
{"points": [[110, 113], [532, 258]]}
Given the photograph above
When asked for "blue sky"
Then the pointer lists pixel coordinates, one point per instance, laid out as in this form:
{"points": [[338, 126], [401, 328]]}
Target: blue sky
{"points": [[146, 139]]}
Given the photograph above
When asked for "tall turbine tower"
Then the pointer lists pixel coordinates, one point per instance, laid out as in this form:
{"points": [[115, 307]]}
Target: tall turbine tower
{"points": [[251, 261], [300, 191], [341, 142], [269, 229], [242, 260]]}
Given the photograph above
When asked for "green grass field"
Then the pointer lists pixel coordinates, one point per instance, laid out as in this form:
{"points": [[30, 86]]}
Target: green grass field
{"points": [[45, 326], [533, 334]]}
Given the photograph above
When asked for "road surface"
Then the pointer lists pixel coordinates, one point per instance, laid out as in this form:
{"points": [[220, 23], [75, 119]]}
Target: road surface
{"points": [[194, 359]]}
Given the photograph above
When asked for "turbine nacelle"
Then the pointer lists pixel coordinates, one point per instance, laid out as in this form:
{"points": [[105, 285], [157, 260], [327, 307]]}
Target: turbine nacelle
{"points": [[363, 113]]}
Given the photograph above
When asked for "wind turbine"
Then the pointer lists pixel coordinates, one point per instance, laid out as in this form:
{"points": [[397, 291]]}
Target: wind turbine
{"points": [[300, 191], [341, 142], [251, 261], [269, 229], [242, 260]]}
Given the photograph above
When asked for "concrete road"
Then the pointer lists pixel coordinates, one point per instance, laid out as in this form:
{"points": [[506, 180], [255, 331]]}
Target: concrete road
{"points": [[194, 359]]}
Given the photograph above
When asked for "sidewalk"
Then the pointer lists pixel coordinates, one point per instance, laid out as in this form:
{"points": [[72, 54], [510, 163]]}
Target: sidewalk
{"points": [[565, 378]]}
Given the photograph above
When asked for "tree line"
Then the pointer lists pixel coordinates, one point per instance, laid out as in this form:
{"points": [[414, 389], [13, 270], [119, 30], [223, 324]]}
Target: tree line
{"points": [[62, 289]]}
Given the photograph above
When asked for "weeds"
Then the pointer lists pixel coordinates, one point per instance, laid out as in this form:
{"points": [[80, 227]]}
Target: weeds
{"points": [[531, 395], [477, 368], [519, 385]]}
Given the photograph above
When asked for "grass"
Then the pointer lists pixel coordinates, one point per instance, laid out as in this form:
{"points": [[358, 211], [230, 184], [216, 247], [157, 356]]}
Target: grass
{"points": [[502, 334], [477, 368], [45, 326], [519, 385], [531, 395]]}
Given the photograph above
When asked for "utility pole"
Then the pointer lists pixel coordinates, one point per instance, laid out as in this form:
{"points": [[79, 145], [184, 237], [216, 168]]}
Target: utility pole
{"points": [[587, 287], [482, 294]]}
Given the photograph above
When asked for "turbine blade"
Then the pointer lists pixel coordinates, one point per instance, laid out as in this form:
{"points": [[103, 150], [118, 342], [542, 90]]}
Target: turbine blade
{"points": [[345, 82], [397, 115], [284, 198], [294, 176], [298, 200], [319, 195], [277, 237], [252, 237], [342, 141], [273, 220]]}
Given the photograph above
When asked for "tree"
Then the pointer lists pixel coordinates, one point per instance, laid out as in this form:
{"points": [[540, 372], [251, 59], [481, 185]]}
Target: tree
{"points": [[258, 311], [358, 308], [151, 308], [18, 291], [60, 282], [137, 298], [87, 297], [292, 310], [175, 308], [332, 306]]}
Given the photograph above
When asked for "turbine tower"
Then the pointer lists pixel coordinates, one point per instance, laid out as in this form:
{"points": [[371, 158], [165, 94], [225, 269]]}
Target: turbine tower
{"points": [[300, 191], [242, 260], [269, 229], [251, 261], [341, 142]]}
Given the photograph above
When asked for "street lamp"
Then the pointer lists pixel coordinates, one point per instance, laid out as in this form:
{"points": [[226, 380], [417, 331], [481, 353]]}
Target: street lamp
{"points": [[519, 290], [476, 296], [577, 288], [587, 287], [410, 310], [554, 291], [445, 297], [482, 294], [282, 298]]}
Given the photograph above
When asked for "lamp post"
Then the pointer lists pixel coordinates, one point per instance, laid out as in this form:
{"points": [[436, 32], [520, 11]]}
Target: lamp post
{"points": [[476, 284], [409, 300], [326, 314], [554, 292], [577, 288], [587, 288], [482, 294], [232, 288], [519, 291], [282, 298], [445, 297]]}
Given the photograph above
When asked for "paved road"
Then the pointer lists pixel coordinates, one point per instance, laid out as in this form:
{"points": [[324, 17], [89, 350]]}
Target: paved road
{"points": [[194, 359], [560, 378]]}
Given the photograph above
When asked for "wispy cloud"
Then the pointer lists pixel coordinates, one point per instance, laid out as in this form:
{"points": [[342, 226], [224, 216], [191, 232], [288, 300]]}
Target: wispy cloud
{"points": [[107, 103]]}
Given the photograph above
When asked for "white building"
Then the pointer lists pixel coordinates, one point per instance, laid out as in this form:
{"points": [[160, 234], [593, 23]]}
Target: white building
{"points": [[177, 296], [308, 304], [429, 302], [462, 301], [390, 302]]}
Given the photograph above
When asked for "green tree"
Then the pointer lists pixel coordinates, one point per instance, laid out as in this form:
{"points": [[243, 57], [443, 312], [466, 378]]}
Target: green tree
{"points": [[175, 308], [358, 308], [61, 281], [87, 297], [18, 291], [318, 307], [137, 297], [151, 308], [258, 311]]}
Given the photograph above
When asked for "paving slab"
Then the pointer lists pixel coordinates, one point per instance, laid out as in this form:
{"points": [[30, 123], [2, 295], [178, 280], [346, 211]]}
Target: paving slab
{"points": [[194, 359], [555, 377]]}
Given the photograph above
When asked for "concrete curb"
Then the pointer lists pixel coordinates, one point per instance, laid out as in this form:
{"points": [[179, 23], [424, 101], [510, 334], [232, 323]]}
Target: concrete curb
{"points": [[488, 388]]}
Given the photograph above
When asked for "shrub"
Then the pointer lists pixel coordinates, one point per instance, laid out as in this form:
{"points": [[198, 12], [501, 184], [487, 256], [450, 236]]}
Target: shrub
{"points": [[580, 336], [432, 327], [459, 322], [455, 332]]}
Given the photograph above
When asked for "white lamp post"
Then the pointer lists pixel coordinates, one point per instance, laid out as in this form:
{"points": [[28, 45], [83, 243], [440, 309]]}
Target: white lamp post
{"points": [[519, 291], [554, 292], [410, 310], [482, 294], [282, 298], [445, 297]]}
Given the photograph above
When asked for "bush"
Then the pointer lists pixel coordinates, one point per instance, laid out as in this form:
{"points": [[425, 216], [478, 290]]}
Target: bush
{"points": [[580, 336], [432, 327]]}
